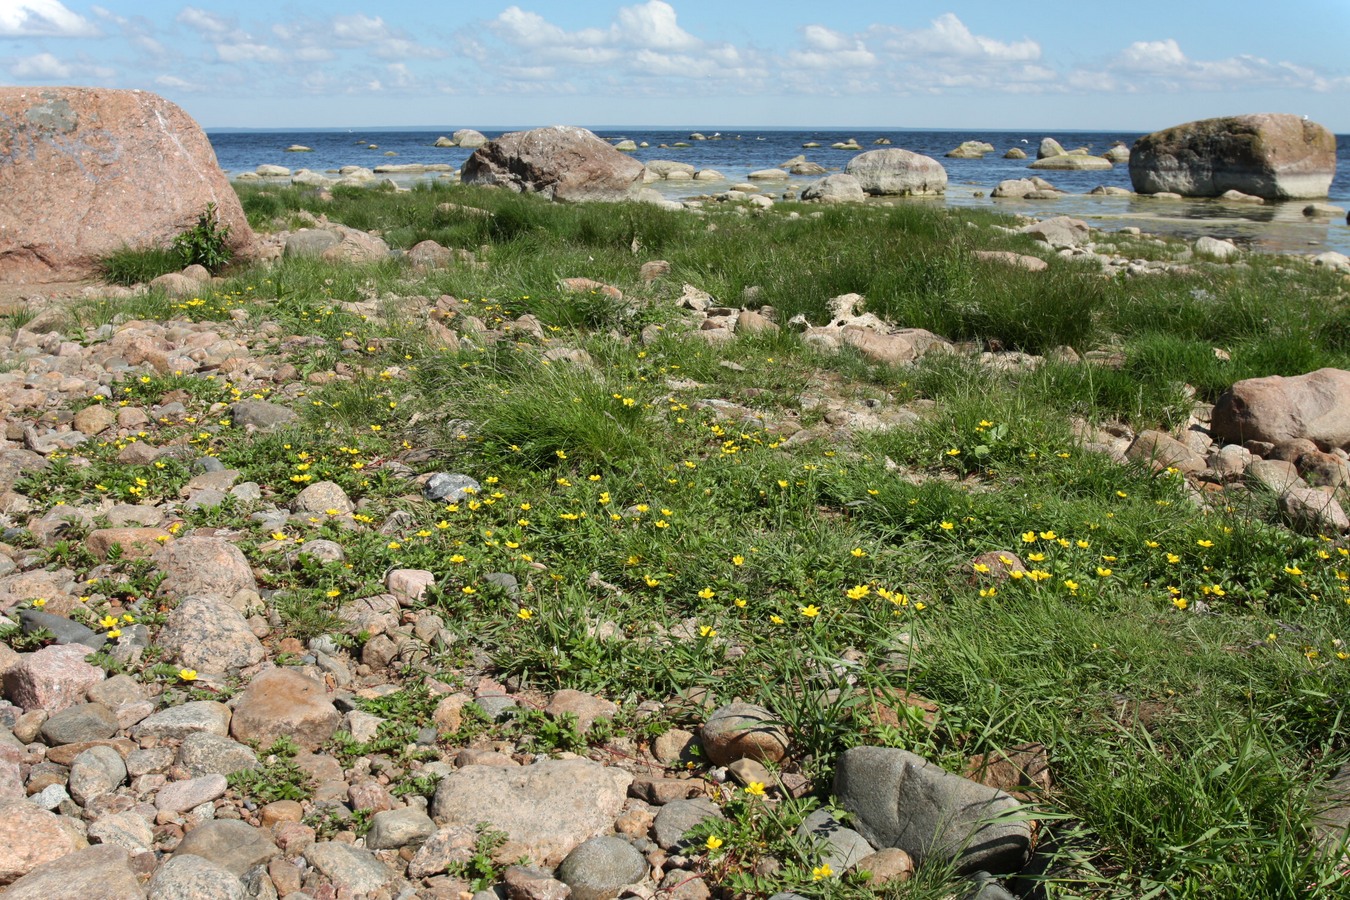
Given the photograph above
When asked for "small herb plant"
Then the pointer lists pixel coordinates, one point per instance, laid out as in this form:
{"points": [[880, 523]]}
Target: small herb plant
{"points": [[206, 243]]}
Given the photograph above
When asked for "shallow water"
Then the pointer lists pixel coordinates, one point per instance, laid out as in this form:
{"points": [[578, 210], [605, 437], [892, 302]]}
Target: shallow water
{"points": [[1279, 227]]}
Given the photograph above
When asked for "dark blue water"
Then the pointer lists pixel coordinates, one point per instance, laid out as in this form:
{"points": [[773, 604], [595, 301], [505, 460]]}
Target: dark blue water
{"points": [[1278, 227]]}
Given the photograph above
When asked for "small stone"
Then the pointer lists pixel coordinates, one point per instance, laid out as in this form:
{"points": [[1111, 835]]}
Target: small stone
{"points": [[283, 702], [674, 746], [354, 869], [52, 678], [840, 848], [599, 867], [740, 731], [585, 707], [94, 773], [178, 722], [886, 866], [233, 845], [80, 723], [193, 878], [527, 883], [206, 753], [447, 487], [395, 828], [180, 796], [128, 830], [678, 817]]}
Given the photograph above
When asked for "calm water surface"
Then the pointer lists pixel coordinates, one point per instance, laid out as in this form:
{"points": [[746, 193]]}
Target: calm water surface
{"points": [[1277, 227]]}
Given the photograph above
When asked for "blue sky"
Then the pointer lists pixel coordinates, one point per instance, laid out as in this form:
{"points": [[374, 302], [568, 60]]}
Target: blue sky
{"points": [[1137, 65]]}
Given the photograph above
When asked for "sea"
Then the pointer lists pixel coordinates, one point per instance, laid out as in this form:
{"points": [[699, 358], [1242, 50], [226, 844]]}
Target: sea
{"points": [[1277, 227]]}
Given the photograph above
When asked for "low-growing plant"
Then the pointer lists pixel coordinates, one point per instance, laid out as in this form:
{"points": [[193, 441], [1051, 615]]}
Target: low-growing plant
{"points": [[207, 243], [277, 778]]}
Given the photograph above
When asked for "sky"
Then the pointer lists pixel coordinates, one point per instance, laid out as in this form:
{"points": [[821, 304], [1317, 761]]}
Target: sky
{"points": [[962, 64]]}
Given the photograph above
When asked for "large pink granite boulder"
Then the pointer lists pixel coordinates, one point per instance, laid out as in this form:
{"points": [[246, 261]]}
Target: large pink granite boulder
{"points": [[1272, 155], [561, 162], [1315, 406], [88, 171]]}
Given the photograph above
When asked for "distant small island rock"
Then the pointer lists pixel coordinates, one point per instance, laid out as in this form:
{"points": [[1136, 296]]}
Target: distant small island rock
{"points": [[299, 148]]}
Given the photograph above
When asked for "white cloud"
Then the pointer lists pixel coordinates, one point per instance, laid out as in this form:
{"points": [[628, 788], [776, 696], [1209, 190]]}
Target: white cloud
{"points": [[42, 18], [1163, 65], [46, 67], [652, 25], [248, 51], [207, 23], [949, 38], [174, 83]]}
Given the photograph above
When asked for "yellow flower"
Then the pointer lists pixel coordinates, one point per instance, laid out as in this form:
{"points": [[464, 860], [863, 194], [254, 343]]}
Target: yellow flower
{"points": [[1047, 535], [187, 674], [1071, 584], [857, 592], [1028, 537], [713, 842], [988, 592], [114, 633], [981, 568], [755, 789], [821, 871], [738, 560], [1103, 573], [560, 454], [857, 553], [947, 526], [1121, 494], [661, 523], [1036, 557], [707, 631], [707, 593], [525, 615], [809, 611], [332, 593], [953, 452], [40, 602], [108, 621], [1205, 544], [1293, 570], [1180, 603], [738, 603]]}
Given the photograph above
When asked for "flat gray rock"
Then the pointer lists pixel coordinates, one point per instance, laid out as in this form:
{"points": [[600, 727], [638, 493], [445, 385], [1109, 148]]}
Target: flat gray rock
{"points": [[396, 828], [840, 848], [205, 753], [80, 723], [677, 817], [194, 878], [233, 845], [177, 722], [901, 800], [350, 867], [94, 873], [550, 806]]}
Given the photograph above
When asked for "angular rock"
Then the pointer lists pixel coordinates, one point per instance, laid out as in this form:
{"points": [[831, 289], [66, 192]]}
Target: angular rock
{"points": [[205, 566], [91, 171], [95, 873], [447, 846], [193, 878], [1213, 248], [585, 707], [66, 631], [1061, 231], [204, 753], [530, 883], [902, 800], [1315, 406], [550, 807], [261, 415], [599, 867], [233, 845], [79, 723], [840, 848], [95, 772], [834, 189], [52, 678], [127, 830], [886, 866], [180, 796], [395, 828], [210, 635], [1162, 451], [1275, 156], [177, 723], [897, 172], [743, 731], [561, 162], [33, 836], [353, 868], [1309, 509], [283, 702]]}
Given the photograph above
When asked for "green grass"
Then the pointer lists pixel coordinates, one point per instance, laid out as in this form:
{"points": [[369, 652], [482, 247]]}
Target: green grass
{"points": [[1182, 662]]}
